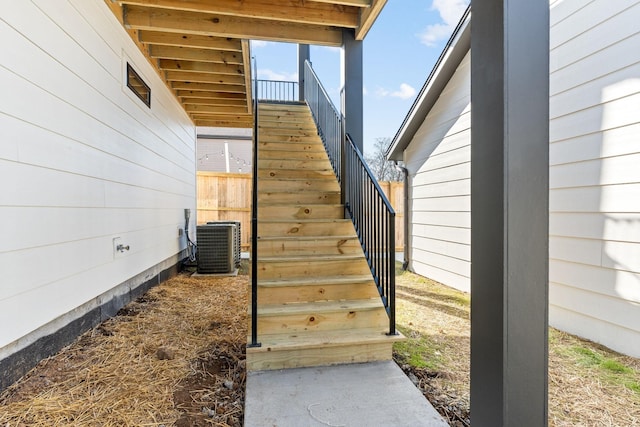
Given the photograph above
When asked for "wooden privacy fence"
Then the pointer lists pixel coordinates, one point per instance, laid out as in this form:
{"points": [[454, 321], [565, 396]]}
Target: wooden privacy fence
{"points": [[227, 197], [395, 193]]}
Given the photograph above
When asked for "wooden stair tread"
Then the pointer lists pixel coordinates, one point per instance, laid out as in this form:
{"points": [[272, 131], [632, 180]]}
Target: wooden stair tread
{"points": [[304, 221], [275, 342], [311, 238], [312, 257], [325, 280], [319, 307]]}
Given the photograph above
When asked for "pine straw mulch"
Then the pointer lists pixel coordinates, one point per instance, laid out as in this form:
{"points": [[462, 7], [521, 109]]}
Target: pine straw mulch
{"points": [[589, 384], [174, 357]]}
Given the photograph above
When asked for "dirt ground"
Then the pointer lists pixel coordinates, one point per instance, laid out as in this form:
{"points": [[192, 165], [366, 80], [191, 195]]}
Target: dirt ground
{"points": [[175, 357], [589, 384]]}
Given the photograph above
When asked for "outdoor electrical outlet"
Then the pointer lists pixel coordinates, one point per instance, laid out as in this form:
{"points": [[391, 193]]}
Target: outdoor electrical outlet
{"points": [[119, 248]]}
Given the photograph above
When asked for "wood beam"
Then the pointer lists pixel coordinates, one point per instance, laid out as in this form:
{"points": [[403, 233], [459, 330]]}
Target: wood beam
{"points": [[210, 95], [190, 40], [223, 110], [318, 13], [187, 76], [356, 3], [368, 17], [191, 54], [225, 123], [246, 59], [203, 67], [208, 24], [214, 101], [208, 87]]}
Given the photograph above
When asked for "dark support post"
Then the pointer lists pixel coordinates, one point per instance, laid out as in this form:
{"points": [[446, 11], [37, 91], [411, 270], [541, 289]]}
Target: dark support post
{"points": [[303, 55], [351, 82], [509, 212]]}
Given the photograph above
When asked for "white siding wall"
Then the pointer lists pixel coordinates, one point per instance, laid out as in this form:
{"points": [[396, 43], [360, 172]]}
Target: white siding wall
{"points": [[594, 175], [82, 161], [438, 161], [595, 171]]}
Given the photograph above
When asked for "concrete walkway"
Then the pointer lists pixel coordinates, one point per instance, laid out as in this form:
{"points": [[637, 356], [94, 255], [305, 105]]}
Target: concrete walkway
{"points": [[376, 394]]}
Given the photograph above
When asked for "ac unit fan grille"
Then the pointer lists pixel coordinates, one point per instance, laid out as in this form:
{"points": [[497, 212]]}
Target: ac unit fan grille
{"points": [[216, 251]]}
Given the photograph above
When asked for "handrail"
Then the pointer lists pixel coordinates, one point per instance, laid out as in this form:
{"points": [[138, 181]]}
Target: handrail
{"points": [[327, 118], [374, 220], [277, 91], [365, 203], [254, 216]]}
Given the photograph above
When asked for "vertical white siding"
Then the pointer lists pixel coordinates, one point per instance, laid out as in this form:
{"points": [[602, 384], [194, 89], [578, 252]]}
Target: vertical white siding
{"points": [[82, 161], [594, 175], [438, 160]]}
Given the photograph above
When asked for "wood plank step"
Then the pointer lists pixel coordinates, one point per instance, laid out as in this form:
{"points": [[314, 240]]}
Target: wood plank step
{"points": [[283, 107], [299, 198], [291, 154], [325, 173], [311, 266], [311, 147], [294, 164], [283, 351], [309, 211], [286, 131], [312, 227], [283, 122], [290, 138], [309, 245], [321, 316], [271, 185], [331, 288]]}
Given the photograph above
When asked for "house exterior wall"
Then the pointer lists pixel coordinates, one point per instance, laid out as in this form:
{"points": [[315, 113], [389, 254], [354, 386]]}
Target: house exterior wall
{"points": [[439, 164], [82, 161], [594, 222], [594, 236]]}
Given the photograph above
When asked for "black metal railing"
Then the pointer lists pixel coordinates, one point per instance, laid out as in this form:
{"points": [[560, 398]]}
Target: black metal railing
{"points": [[374, 220], [254, 217], [327, 118], [277, 91], [365, 203]]}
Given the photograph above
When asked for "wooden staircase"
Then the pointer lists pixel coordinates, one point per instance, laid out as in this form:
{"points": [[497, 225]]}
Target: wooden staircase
{"points": [[317, 302]]}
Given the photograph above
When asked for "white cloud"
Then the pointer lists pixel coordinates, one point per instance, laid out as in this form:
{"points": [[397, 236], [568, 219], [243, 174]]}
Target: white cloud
{"points": [[450, 12], [405, 92], [258, 43], [267, 74]]}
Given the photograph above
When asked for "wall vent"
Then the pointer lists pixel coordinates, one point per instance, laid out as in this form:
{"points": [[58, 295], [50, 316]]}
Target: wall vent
{"points": [[216, 248]]}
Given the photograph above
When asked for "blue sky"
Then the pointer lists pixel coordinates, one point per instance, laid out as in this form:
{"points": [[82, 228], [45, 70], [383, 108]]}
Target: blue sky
{"points": [[399, 52]]}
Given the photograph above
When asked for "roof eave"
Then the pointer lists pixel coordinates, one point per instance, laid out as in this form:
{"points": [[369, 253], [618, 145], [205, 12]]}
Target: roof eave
{"points": [[449, 60]]}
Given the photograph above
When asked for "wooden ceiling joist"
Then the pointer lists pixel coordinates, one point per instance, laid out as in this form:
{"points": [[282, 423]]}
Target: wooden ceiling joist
{"points": [[210, 95], [192, 54], [208, 24], [230, 122], [213, 101], [208, 87], [190, 40], [201, 47], [302, 11], [222, 110], [187, 76], [203, 67]]}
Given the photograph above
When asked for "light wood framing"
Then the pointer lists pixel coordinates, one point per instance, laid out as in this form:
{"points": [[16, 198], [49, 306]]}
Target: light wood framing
{"points": [[203, 46]]}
